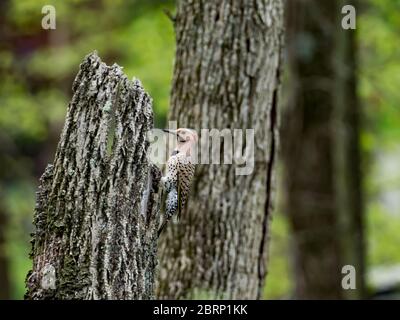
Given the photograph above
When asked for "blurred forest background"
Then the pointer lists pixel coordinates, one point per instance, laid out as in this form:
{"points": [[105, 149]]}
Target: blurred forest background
{"points": [[37, 68]]}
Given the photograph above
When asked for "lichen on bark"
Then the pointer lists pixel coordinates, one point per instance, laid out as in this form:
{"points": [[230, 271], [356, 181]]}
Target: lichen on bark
{"points": [[95, 235]]}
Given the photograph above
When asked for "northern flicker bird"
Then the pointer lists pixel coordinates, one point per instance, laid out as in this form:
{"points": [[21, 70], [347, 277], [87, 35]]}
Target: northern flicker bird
{"points": [[179, 173]]}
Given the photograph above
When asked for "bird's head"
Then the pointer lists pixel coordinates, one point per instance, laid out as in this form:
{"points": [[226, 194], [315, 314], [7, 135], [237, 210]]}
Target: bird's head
{"points": [[186, 140], [184, 136]]}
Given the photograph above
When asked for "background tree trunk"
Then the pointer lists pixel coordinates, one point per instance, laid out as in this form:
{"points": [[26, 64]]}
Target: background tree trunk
{"points": [[321, 150], [226, 76], [96, 227], [348, 154]]}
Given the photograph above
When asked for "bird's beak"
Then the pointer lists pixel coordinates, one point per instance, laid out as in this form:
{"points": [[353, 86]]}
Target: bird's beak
{"points": [[170, 131]]}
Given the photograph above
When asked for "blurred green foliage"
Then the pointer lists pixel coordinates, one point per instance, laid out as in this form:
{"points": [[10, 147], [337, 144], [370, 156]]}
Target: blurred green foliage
{"points": [[379, 74], [379, 35], [37, 68]]}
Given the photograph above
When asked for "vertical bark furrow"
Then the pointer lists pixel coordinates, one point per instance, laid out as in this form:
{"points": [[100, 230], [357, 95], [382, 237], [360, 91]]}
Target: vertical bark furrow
{"points": [[92, 240], [274, 136]]}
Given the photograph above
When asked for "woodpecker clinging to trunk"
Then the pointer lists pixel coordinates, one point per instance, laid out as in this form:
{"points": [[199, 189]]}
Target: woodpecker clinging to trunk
{"points": [[179, 173]]}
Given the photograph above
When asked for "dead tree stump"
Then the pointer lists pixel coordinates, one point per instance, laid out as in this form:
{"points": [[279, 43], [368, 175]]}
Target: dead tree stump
{"points": [[95, 216]]}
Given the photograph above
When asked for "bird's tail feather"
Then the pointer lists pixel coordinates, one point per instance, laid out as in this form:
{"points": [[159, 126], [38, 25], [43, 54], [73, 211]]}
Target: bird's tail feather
{"points": [[164, 223]]}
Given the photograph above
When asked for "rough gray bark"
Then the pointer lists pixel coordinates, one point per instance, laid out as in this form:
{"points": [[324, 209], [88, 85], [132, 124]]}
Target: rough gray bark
{"points": [[321, 150], [226, 76], [95, 215]]}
